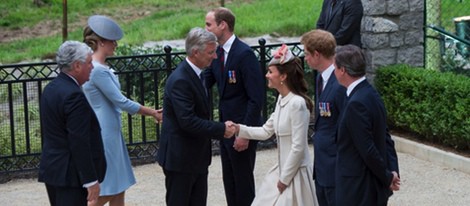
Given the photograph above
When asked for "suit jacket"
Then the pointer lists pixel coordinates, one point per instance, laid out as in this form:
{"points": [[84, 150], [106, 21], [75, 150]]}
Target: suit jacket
{"points": [[243, 100], [363, 176], [392, 155], [72, 152], [324, 138], [185, 143], [343, 20]]}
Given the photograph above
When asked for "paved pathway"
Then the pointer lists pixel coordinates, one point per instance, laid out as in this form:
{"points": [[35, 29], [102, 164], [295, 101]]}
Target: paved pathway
{"points": [[423, 183]]}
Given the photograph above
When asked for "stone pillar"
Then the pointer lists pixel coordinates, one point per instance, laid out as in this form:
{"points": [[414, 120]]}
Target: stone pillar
{"points": [[392, 33]]}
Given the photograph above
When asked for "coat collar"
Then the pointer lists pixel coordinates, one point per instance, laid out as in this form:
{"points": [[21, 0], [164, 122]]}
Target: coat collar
{"points": [[284, 100]]}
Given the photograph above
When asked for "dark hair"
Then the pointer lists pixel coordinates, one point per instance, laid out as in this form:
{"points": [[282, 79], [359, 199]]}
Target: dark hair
{"points": [[91, 38], [295, 79], [224, 14], [352, 59]]}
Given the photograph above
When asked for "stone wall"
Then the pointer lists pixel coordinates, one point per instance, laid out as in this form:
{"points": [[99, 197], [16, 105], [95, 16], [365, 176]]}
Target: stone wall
{"points": [[392, 33]]}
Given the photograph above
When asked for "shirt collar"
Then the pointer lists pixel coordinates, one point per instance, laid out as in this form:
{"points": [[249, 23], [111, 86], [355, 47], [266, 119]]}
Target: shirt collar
{"points": [[194, 67], [327, 74], [354, 84], [73, 78], [228, 43]]}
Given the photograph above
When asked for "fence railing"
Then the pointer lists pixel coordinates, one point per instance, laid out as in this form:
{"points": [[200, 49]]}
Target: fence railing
{"points": [[447, 36], [142, 79]]}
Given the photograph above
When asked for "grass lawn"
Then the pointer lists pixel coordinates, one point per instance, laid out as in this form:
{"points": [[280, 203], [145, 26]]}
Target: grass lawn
{"points": [[36, 32]]}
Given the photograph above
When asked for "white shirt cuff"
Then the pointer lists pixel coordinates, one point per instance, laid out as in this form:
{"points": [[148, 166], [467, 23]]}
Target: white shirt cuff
{"points": [[87, 185]]}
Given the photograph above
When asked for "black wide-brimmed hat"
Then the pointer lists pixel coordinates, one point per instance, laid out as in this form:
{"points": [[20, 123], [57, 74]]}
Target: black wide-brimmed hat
{"points": [[105, 27]]}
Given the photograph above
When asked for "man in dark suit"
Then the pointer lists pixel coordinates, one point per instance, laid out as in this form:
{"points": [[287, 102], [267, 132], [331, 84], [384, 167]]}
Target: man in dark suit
{"points": [[363, 170], [241, 88], [343, 19], [185, 144], [72, 160], [319, 48]]}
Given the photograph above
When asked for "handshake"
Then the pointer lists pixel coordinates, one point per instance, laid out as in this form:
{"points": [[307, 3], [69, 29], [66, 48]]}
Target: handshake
{"points": [[231, 129]]}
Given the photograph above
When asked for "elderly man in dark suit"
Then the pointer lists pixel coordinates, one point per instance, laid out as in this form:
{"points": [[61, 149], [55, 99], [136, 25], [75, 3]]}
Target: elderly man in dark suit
{"points": [[343, 19], [72, 160], [364, 174], [185, 144], [241, 88]]}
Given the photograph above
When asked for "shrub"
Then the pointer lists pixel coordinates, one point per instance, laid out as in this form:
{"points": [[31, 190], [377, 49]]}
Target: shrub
{"points": [[432, 104]]}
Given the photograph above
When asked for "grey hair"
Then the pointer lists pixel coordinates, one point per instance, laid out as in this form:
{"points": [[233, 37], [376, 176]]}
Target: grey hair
{"points": [[352, 59], [197, 39], [70, 52]]}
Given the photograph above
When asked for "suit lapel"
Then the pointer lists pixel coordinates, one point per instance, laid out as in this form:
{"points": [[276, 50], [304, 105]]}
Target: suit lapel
{"points": [[324, 94], [228, 63], [332, 12], [197, 82], [223, 73], [327, 89], [358, 87], [230, 54]]}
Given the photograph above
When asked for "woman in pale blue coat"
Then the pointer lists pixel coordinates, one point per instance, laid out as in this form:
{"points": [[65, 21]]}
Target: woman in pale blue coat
{"points": [[103, 91]]}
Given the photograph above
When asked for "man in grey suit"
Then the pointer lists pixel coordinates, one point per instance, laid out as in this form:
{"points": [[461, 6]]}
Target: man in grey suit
{"points": [[364, 174], [185, 144], [343, 19], [72, 159]]}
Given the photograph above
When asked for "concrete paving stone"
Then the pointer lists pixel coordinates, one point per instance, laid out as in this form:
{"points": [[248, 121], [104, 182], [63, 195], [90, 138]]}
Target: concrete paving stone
{"points": [[423, 183]]}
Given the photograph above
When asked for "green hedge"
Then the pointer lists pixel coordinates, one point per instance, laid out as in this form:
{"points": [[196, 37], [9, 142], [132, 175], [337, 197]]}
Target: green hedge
{"points": [[433, 104]]}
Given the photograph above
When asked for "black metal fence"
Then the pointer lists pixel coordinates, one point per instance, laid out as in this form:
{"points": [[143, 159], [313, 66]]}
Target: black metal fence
{"points": [[142, 79], [448, 35]]}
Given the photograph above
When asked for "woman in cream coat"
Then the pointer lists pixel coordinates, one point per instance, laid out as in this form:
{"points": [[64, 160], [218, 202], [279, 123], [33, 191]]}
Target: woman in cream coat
{"points": [[289, 183]]}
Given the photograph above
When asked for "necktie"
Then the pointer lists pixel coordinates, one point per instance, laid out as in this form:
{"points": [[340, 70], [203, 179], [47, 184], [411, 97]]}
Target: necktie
{"points": [[319, 85], [222, 59], [203, 82]]}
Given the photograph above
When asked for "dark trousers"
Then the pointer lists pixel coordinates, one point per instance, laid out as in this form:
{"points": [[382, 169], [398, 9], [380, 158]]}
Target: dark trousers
{"points": [[185, 188], [67, 196], [325, 195], [237, 169]]}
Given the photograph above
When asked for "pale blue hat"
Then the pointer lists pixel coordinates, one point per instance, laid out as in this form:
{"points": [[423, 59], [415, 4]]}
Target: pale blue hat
{"points": [[105, 27]]}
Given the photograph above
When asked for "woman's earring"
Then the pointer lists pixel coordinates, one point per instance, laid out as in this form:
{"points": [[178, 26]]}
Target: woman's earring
{"points": [[282, 82]]}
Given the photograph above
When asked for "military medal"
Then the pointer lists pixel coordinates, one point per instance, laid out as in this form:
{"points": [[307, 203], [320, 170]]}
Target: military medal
{"points": [[324, 108], [234, 77], [231, 77], [320, 107], [328, 112]]}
